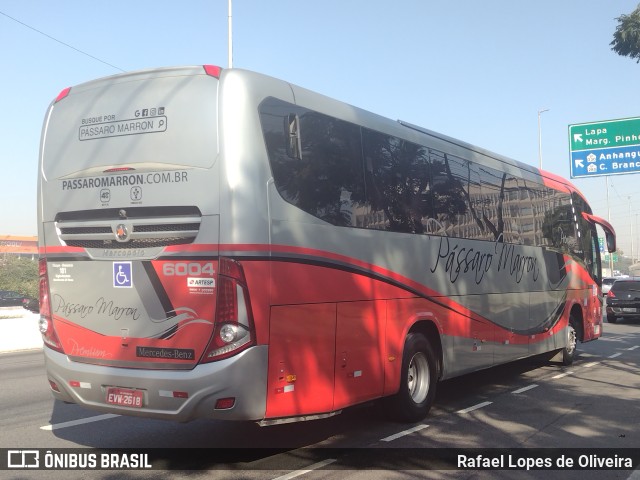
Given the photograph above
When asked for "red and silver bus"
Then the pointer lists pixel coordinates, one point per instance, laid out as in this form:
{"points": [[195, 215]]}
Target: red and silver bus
{"points": [[217, 243]]}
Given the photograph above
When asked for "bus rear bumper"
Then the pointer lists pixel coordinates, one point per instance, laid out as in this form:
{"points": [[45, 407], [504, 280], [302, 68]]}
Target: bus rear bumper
{"points": [[242, 377]]}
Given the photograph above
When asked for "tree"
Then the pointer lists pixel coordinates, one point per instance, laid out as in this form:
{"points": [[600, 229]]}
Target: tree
{"points": [[626, 39], [20, 275]]}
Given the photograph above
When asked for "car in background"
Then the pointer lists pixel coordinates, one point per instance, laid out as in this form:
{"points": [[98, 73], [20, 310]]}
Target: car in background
{"points": [[32, 304], [12, 299], [606, 284], [623, 299]]}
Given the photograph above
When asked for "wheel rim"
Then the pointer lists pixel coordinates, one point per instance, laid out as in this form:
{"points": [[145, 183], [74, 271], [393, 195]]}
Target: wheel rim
{"points": [[572, 340], [418, 377]]}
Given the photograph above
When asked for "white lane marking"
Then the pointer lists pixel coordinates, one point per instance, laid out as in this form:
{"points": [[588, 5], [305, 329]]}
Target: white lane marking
{"points": [[524, 389], [614, 355], [633, 348], [82, 421], [390, 438], [311, 468], [475, 407], [561, 375], [591, 364]]}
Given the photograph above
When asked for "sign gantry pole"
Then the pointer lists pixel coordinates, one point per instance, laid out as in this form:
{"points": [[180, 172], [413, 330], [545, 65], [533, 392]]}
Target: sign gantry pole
{"points": [[606, 182]]}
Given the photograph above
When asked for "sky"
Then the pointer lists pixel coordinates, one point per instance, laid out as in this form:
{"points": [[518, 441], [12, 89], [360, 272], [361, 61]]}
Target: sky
{"points": [[479, 71]]}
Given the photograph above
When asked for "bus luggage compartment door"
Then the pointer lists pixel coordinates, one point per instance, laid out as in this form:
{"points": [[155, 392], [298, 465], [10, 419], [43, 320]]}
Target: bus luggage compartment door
{"points": [[302, 341]]}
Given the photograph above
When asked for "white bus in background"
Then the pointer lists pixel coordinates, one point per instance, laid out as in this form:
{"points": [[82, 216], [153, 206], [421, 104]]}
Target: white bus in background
{"points": [[634, 270]]}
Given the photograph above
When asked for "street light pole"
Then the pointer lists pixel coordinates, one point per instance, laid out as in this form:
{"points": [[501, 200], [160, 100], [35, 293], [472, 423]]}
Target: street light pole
{"points": [[230, 40], [540, 112]]}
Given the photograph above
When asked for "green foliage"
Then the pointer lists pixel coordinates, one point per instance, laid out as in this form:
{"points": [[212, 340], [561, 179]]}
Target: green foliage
{"points": [[626, 39], [19, 275]]}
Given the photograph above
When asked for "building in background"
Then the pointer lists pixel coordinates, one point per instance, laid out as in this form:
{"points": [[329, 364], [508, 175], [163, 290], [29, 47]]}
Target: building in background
{"points": [[18, 246]]}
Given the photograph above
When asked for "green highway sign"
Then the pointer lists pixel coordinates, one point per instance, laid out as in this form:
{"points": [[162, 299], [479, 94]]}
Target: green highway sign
{"points": [[605, 148]]}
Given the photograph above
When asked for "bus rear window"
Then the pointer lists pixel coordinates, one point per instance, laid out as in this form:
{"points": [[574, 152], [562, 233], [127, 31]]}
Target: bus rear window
{"points": [[150, 122]]}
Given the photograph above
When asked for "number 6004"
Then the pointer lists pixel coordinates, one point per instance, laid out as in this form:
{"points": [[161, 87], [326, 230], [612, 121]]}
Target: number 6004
{"points": [[192, 269]]}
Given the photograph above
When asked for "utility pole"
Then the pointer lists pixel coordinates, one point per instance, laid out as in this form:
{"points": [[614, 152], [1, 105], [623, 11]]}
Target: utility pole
{"points": [[630, 227]]}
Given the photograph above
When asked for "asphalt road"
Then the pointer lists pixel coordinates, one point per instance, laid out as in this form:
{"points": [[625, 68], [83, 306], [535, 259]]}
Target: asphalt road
{"points": [[529, 404]]}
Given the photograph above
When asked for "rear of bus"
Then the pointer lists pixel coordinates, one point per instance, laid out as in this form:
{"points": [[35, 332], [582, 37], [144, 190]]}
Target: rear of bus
{"points": [[139, 315]]}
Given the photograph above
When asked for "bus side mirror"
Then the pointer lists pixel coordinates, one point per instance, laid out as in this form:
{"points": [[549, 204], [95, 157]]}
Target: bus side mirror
{"points": [[611, 241], [609, 232]]}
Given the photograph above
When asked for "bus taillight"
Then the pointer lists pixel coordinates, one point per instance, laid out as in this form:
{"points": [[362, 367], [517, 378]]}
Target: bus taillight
{"points": [[234, 329], [49, 335], [62, 94], [212, 70]]}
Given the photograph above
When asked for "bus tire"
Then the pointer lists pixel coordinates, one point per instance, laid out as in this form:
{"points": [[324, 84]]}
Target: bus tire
{"points": [[569, 351], [418, 380]]}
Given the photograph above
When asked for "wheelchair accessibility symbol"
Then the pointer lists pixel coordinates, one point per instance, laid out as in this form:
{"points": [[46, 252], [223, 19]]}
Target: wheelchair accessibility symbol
{"points": [[122, 275]]}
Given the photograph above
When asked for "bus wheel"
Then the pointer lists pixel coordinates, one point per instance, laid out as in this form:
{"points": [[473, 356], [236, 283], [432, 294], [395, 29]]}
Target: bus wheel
{"points": [[569, 352], [417, 382]]}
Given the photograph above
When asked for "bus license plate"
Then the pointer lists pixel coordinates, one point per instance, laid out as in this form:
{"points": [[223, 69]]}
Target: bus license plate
{"points": [[124, 397]]}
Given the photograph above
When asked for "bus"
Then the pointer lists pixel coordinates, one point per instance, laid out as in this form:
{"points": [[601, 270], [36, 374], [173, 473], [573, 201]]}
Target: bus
{"points": [[216, 243]]}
